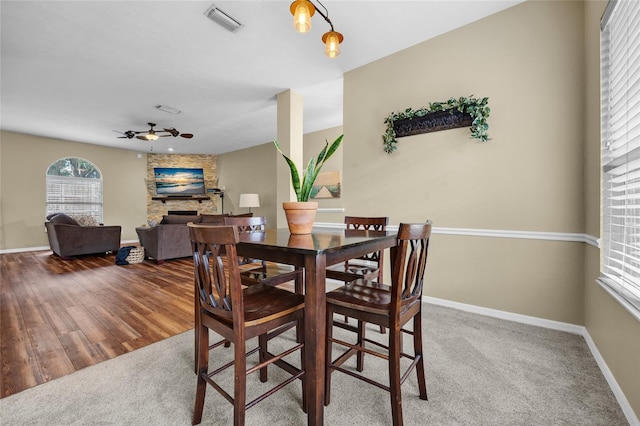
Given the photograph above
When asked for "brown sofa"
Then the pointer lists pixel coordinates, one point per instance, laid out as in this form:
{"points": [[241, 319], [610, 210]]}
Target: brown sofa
{"points": [[68, 238], [170, 238]]}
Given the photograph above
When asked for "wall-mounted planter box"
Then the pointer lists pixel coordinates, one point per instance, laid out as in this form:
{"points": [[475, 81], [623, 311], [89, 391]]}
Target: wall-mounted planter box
{"points": [[432, 122]]}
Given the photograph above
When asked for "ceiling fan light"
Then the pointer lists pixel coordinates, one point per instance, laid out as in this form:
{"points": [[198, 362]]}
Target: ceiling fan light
{"points": [[151, 136], [332, 41], [302, 11]]}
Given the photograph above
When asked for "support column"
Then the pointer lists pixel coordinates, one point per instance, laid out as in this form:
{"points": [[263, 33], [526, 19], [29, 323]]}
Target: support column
{"points": [[290, 138]]}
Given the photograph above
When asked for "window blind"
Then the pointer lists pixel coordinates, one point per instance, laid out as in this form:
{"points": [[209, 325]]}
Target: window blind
{"points": [[620, 92], [74, 195]]}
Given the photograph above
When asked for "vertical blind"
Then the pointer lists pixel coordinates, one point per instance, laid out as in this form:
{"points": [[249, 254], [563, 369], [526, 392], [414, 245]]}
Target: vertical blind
{"points": [[620, 92]]}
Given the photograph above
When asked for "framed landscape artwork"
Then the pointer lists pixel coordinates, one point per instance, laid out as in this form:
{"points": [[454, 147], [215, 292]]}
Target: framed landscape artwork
{"points": [[179, 181], [327, 185]]}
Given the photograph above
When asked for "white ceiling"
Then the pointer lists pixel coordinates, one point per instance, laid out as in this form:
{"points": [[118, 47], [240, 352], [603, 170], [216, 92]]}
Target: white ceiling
{"points": [[78, 70]]}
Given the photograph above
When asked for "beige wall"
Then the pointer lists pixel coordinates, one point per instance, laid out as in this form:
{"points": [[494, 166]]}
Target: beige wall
{"points": [[253, 170], [529, 61], [24, 163], [615, 332]]}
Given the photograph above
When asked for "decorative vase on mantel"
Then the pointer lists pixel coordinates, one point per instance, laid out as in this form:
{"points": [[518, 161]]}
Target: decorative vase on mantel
{"points": [[300, 215]]}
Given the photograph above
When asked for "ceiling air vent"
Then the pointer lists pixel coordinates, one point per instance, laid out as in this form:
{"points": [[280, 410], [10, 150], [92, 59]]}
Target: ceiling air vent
{"points": [[223, 18]]}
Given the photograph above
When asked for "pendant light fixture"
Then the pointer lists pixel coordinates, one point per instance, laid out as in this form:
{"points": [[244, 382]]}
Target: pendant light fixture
{"points": [[302, 11]]}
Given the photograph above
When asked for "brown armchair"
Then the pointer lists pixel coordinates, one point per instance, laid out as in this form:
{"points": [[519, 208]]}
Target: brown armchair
{"points": [[67, 238], [166, 241]]}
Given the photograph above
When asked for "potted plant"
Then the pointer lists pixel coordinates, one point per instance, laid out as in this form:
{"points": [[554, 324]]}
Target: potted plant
{"points": [[478, 109], [301, 214]]}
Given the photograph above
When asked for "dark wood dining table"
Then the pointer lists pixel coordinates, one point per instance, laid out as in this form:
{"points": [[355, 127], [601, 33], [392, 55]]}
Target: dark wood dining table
{"points": [[314, 252]]}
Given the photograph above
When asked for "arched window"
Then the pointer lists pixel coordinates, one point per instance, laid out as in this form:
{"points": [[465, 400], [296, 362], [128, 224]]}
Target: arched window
{"points": [[74, 186]]}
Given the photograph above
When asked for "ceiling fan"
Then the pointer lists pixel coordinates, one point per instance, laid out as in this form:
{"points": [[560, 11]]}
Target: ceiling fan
{"points": [[152, 134]]}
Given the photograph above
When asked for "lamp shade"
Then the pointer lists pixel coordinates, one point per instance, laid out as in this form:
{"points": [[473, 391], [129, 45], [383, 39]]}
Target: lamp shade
{"points": [[249, 200], [302, 11], [332, 41]]}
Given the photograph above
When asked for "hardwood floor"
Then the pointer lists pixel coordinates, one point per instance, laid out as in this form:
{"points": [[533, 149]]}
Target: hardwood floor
{"points": [[60, 316]]}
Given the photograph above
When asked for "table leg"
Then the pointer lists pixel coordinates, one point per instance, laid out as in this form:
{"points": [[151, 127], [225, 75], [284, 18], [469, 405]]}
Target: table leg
{"points": [[315, 335]]}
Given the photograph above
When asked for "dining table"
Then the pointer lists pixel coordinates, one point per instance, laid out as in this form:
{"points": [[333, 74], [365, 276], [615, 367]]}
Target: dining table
{"points": [[314, 252]]}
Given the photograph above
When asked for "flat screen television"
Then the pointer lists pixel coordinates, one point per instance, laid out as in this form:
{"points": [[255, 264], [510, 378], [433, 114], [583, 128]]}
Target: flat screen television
{"points": [[179, 181]]}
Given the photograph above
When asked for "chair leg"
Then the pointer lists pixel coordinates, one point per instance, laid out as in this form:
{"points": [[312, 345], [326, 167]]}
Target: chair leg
{"points": [[262, 343], [362, 327], [379, 279], [328, 357], [304, 380], [196, 347], [394, 377], [196, 333], [240, 387], [299, 289], [202, 358], [298, 283], [417, 347]]}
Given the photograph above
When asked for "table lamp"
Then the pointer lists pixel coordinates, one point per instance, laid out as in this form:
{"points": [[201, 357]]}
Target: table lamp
{"points": [[249, 200]]}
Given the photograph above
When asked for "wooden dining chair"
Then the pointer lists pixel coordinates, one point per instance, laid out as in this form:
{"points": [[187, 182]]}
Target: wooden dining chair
{"points": [[237, 315], [369, 266], [268, 273], [391, 306]]}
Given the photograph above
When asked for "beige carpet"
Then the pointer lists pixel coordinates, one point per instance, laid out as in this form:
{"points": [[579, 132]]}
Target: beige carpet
{"points": [[480, 371]]}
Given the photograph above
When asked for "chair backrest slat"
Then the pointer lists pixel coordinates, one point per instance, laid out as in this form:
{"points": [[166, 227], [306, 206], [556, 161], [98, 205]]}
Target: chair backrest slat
{"points": [[408, 263], [246, 223], [367, 224], [252, 225], [220, 290]]}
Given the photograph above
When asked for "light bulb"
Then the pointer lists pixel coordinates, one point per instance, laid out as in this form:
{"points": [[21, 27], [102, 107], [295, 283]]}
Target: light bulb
{"points": [[332, 41], [302, 11]]}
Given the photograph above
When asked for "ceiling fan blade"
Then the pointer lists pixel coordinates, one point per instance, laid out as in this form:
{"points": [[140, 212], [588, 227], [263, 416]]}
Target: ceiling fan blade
{"points": [[186, 135], [162, 136], [128, 134], [142, 138], [172, 131]]}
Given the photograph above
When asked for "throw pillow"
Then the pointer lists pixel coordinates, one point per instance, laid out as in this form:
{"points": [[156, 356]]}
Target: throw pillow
{"points": [[85, 220], [63, 218]]}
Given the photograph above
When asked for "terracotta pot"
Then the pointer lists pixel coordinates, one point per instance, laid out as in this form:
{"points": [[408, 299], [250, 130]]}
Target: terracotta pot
{"points": [[300, 216]]}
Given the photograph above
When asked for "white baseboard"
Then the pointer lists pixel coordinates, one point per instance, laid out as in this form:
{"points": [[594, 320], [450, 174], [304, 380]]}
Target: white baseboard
{"points": [[43, 248], [22, 250], [509, 316], [554, 325], [613, 384]]}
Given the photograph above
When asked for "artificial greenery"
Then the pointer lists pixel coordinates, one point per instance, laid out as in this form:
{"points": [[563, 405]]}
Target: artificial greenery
{"points": [[303, 191], [477, 108]]}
